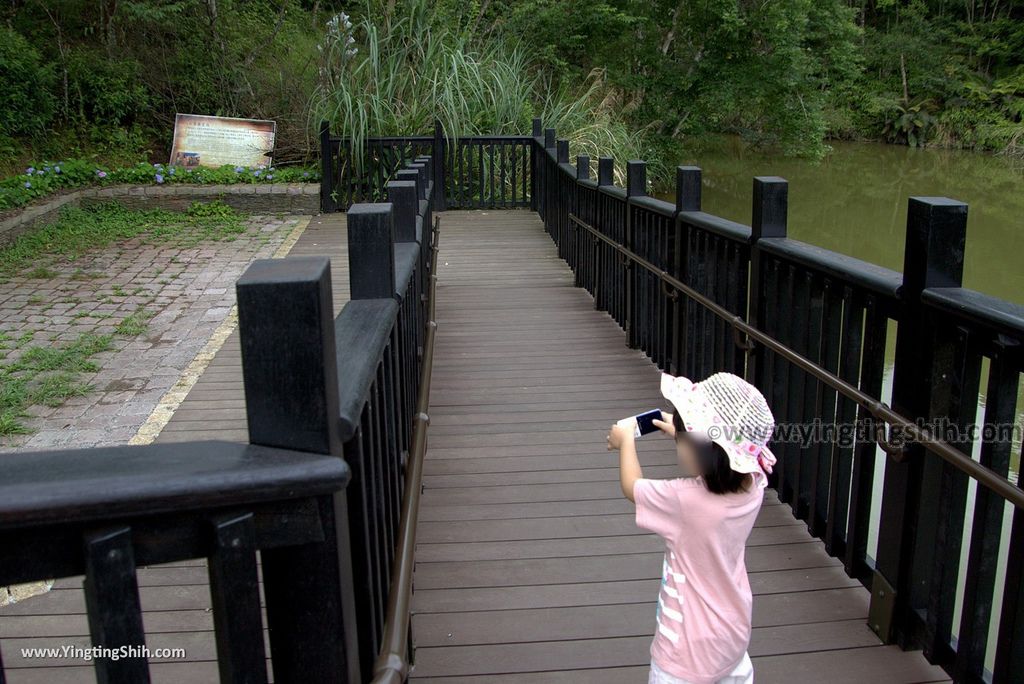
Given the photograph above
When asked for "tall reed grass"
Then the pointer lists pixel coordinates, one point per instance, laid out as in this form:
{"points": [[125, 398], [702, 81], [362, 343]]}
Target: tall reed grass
{"points": [[396, 75]]}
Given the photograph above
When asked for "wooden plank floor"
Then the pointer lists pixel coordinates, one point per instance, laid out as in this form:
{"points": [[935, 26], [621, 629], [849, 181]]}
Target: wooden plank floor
{"points": [[530, 567]]}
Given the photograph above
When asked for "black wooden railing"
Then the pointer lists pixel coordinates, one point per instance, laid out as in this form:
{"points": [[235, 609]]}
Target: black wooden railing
{"points": [[470, 172], [336, 414], [701, 294]]}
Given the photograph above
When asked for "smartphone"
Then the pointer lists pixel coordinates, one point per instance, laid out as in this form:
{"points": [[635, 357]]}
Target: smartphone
{"points": [[643, 424]]}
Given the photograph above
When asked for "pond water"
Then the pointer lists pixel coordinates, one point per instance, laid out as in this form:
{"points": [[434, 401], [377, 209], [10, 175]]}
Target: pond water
{"points": [[855, 201]]}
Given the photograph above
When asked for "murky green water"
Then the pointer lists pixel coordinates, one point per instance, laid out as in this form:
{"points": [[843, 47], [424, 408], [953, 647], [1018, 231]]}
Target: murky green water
{"points": [[855, 201]]}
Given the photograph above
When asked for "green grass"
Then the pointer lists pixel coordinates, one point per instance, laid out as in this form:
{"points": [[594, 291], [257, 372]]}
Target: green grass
{"points": [[54, 390], [41, 273], [79, 230], [135, 323], [45, 376]]}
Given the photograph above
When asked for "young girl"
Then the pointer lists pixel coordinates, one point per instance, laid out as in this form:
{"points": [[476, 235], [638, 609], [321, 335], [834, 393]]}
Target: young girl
{"points": [[721, 427]]}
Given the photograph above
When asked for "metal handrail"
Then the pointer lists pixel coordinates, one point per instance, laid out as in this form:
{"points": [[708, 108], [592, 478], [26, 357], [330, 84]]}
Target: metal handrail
{"points": [[878, 410], [392, 666]]}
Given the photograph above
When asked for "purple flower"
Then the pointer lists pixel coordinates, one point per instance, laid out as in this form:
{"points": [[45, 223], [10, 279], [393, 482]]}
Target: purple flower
{"points": [[40, 172], [305, 174], [56, 169], [159, 178], [101, 174], [239, 169], [27, 184], [270, 176], [30, 170], [257, 173], [158, 166]]}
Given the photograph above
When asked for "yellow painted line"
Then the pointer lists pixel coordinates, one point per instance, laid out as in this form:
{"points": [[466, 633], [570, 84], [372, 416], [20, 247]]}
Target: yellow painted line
{"points": [[172, 399]]}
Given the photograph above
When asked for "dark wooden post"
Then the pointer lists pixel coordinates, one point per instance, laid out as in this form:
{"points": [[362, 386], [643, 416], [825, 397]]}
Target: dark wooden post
{"points": [[535, 172], [371, 251], [424, 178], [289, 366], [437, 158], [549, 138], [327, 201], [688, 189], [933, 257], [605, 171], [636, 178], [563, 151], [582, 167], [636, 186], [769, 215], [412, 174], [402, 196]]}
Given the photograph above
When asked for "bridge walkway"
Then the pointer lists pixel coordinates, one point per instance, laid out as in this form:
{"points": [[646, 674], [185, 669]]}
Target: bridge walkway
{"points": [[530, 567]]}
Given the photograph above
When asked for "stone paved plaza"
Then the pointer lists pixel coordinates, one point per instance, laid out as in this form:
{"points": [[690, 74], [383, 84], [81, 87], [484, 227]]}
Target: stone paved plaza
{"points": [[157, 303]]}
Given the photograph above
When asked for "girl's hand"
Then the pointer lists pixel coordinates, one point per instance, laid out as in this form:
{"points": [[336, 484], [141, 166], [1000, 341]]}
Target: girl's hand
{"points": [[665, 424], [618, 435]]}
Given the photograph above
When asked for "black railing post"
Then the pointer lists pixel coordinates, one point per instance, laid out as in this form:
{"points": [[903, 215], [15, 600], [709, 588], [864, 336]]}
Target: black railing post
{"points": [[371, 249], [688, 187], [423, 181], [402, 196], [769, 216], [414, 174], [535, 161], [933, 257], [636, 178], [605, 171], [549, 138], [688, 192], [327, 201], [563, 151], [438, 157], [582, 167], [636, 186], [289, 366]]}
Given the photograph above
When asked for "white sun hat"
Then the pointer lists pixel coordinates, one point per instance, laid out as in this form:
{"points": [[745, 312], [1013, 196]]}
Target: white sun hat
{"points": [[730, 412]]}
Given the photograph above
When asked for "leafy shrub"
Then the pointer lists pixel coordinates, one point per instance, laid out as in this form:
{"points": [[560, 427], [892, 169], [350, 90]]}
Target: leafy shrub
{"points": [[25, 81], [107, 90], [46, 178]]}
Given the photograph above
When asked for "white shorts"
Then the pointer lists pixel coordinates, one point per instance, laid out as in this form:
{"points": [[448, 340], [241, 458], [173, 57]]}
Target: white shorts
{"points": [[741, 674]]}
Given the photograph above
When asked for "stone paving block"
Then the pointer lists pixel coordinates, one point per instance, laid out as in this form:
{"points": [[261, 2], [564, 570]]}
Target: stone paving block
{"points": [[189, 290]]}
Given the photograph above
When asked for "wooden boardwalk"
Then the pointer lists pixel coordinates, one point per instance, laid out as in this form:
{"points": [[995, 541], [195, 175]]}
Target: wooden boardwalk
{"points": [[530, 568]]}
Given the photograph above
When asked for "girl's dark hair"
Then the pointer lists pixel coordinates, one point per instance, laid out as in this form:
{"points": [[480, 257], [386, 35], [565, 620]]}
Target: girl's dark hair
{"points": [[718, 475]]}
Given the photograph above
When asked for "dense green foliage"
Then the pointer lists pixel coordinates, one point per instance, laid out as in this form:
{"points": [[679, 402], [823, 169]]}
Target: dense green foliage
{"points": [[105, 77], [792, 72]]}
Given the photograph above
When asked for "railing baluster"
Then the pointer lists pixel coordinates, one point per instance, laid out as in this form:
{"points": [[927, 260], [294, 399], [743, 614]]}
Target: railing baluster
{"points": [[235, 596], [113, 605]]}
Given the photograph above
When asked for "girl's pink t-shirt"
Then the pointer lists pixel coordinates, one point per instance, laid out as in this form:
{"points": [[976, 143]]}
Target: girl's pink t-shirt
{"points": [[704, 605]]}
